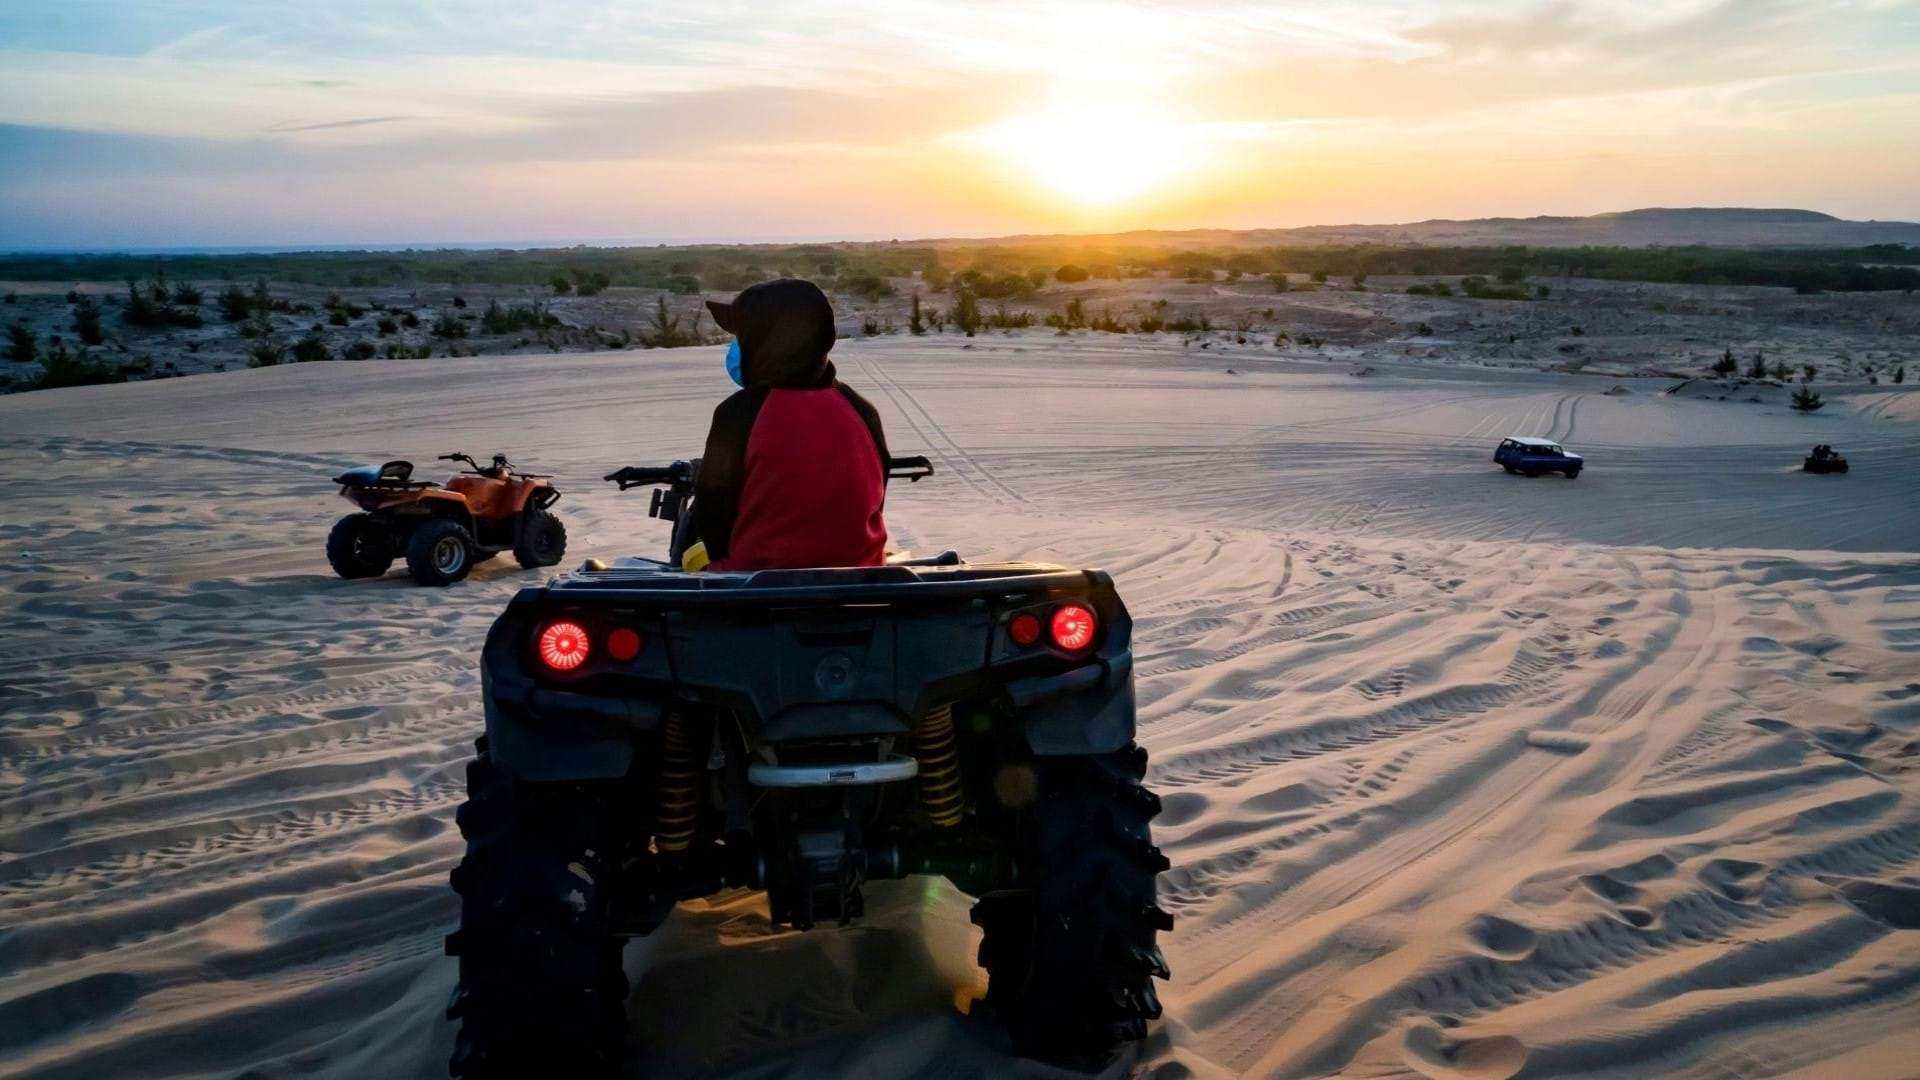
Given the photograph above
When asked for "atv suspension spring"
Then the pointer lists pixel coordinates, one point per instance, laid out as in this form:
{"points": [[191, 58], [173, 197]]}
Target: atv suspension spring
{"points": [[679, 783], [933, 744]]}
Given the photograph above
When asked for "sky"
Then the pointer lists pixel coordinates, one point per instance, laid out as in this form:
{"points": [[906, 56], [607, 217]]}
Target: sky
{"points": [[195, 123]]}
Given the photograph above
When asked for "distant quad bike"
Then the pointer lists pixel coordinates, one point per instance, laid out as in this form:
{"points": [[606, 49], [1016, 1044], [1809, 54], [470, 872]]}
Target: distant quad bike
{"points": [[1824, 459], [654, 735], [443, 531]]}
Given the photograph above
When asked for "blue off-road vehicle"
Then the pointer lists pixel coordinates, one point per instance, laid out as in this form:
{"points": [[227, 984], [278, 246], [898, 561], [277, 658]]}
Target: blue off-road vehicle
{"points": [[1520, 454], [655, 735]]}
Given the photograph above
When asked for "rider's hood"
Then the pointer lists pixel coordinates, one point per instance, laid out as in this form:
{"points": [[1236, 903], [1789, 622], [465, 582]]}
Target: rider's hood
{"points": [[785, 329]]}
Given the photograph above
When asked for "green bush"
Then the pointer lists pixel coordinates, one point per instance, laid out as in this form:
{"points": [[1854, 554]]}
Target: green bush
{"points": [[86, 320], [410, 320], [562, 285], [449, 326], [966, 312], [22, 345], [186, 293], [234, 303], [507, 320], [1070, 274], [1726, 365], [867, 286], [65, 369], [310, 350], [265, 353], [386, 326], [1279, 282], [916, 325], [665, 330], [1806, 401]]}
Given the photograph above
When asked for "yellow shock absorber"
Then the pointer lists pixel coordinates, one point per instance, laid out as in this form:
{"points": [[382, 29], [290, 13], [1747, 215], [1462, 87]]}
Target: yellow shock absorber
{"points": [[678, 790], [939, 755]]}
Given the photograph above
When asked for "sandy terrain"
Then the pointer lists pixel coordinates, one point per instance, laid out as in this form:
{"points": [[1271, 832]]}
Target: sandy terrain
{"points": [[1466, 774]]}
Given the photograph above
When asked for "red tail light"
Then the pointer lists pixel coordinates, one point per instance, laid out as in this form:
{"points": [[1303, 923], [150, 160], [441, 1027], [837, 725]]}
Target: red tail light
{"points": [[1073, 626], [563, 645], [623, 644], [1024, 629]]}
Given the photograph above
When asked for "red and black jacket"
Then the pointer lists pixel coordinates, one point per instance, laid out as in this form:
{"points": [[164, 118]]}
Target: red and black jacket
{"points": [[794, 471]]}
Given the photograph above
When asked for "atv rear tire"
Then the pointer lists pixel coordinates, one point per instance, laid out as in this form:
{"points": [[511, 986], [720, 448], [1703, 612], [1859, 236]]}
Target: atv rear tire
{"points": [[1071, 958], [359, 547], [541, 991], [440, 552], [543, 541]]}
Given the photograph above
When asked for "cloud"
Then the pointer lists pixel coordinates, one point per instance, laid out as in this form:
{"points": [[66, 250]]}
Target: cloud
{"points": [[361, 121]]}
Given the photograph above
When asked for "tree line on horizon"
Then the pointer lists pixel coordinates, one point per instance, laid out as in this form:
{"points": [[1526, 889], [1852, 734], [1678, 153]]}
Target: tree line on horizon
{"points": [[867, 269]]}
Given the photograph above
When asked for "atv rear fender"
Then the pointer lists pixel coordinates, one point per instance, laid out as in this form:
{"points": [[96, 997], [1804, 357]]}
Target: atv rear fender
{"points": [[809, 659]]}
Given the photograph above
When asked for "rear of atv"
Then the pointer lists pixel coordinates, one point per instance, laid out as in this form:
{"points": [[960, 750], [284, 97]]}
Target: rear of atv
{"points": [[655, 736]]}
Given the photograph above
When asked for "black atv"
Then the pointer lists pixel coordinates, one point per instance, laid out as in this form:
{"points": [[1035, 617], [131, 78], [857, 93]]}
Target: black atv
{"points": [[1824, 459], [654, 736]]}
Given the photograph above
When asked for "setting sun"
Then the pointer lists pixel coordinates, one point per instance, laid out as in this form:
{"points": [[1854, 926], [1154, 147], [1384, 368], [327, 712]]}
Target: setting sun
{"points": [[1093, 155]]}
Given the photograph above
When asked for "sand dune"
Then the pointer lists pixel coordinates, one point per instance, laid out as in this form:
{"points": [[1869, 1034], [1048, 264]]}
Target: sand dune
{"points": [[1466, 775]]}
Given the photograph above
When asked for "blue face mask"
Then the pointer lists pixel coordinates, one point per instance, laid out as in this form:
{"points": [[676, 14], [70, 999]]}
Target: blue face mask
{"points": [[733, 362]]}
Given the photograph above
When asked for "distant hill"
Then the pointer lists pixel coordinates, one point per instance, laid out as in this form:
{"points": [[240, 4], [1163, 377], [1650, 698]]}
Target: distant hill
{"points": [[1721, 226]]}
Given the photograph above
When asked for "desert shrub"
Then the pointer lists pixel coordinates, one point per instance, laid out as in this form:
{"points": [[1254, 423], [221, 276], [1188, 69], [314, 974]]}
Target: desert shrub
{"points": [[1360, 279], [11, 297], [449, 326], [1319, 277], [1038, 278], [86, 320], [234, 303], [188, 294], [1279, 282], [1076, 313], [1900, 374], [593, 284], [507, 320], [1512, 275], [990, 287], [141, 308], [869, 326], [264, 353], [1190, 324], [75, 369], [1759, 368], [562, 285], [1070, 274], [459, 301], [1808, 371], [681, 284], [667, 330], [1541, 292], [867, 286], [339, 317], [359, 350], [966, 312], [1106, 323], [1419, 290], [1806, 401], [1150, 324], [1478, 288], [916, 325], [386, 326], [410, 320], [1726, 365], [1002, 319], [310, 350], [936, 278], [22, 345], [1423, 330]]}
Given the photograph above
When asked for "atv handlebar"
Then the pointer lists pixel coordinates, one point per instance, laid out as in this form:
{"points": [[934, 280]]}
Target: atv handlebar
{"points": [[682, 474]]}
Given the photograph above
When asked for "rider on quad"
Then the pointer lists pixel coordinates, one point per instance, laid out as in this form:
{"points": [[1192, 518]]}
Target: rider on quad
{"points": [[794, 472]]}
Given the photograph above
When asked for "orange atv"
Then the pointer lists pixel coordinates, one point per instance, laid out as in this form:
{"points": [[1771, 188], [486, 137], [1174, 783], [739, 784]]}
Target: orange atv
{"points": [[443, 531]]}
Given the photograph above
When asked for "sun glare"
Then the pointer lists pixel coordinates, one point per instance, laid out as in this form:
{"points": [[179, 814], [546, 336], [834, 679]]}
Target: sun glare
{"points": [[1095, 155]]}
